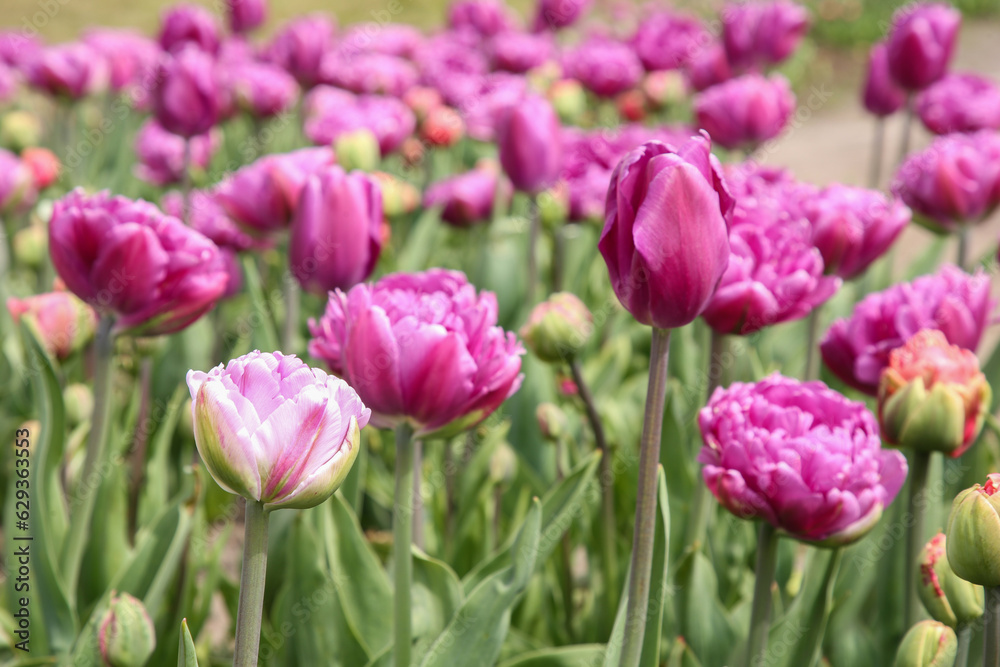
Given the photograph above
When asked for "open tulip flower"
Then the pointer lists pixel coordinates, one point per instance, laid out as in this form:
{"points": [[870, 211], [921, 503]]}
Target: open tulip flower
{"points": [[763, 32], [960, 103], [746, 111]]}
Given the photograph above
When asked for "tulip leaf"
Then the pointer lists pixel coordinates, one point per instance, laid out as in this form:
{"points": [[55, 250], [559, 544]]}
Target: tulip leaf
{"points": [[582, 655], [255, 287], [107, 545], [155, 491], [424, 236], [186, 654], [704, 623], [559, 507], [475, 635], [681, 656], [437, 595], [928, 260]]}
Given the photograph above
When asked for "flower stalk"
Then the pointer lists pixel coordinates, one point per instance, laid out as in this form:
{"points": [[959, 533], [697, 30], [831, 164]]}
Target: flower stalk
{"points": [[760, 614], [402, 538], [251, 604]]}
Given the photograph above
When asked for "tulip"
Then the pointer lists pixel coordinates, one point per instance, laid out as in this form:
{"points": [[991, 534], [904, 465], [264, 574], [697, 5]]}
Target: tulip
{"points": [[126, 635], [665, 237], [245, 15], [762, 33], [207, 217], [357, 149], [569, 100], [373, 73], [932, 396], [558, 328], [300, 46], [331, 113], [9, 80], [161, 154], [183, 25], [519, 52], [973, 534], [852, 227], [18, 47], [882, 95], [530, 147], [603, 66], [746, 111], [127, 258], [20, 130], [960, 103], [921, 42], [384, 338], [483, 17], [69, 70], [336, 232], [953, 182], [17, 183], [927, 644], [753, 431], [79, 401], [708, 66], [467, 198], [43, 165], [131, 58], [64, 323], [947, 598], [493, 95], [391, 39], [443, 126], [556, 14], [186, 99], [664, 88], [399, 197], [30, 245], [667, 40], [422, 100], [261, 89]]}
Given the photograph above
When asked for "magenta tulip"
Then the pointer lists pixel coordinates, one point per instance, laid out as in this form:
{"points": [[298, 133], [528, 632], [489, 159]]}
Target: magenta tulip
{"points": [[336, 234], [422, 348], [300, 46], [960, 103], [68, 70], [466, 199], [187, 97], [18, 48], [882, 95], [528, 136], [390, 39], [245, 15], [131, 57], [127, 258], [708, 66], [369, 73], [261, 89], [799, 456], [484, 17], [161, 154], [921, 42], [208, 218], [556, 14], [64, 323], [331, 112], [746, 111], [604, 66], [668, 40], [184, 25], [756, 34], [519, 52]]}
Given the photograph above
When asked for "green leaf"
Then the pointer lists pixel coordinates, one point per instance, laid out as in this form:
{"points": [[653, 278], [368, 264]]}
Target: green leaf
{"points": [[583, 655], [559, 507], [475, 635], [186, 655], [268, 332], [421, 241], [929, 259], [155, 491], [704, 623], [799, 632], [436, 597]]}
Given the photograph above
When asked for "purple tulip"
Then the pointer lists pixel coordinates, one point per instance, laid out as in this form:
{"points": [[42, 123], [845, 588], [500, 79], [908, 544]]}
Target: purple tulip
{"points": [[519, 52], [954, 181], [668, 40], [390, 39], [746, 111], [959, 304], [8, 83], [245, 15], [187, 98], [18, 49], [485, 100], [262, 196], [852, 227], [369, 73], [131, 57], [274, 430], [331, 112], [300, 47], [921, 43], [183, 25], [161, 154], [483, 17], [17, 187], [420, 347], [556, 14], [207, 217], [960, 103], [528, 136], [799, 456], [261, 89], [708, 67], [604, 66], [466, 198], [126, 257], [72, 70], [336, 233], [882, 95], [665, 237], [756, 34]]}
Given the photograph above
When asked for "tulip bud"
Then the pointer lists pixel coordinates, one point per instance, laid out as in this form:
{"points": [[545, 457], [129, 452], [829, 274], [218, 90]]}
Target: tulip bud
{"points": [[398, 196], [558, 328], [529, 139], [503, 464], [664, 88], [932, 396], [442, 127], [43, 165], [973, 531], [79, 402], [19, 130], [947, 598], [632, 105], [554, 205], [31, 245], [126, 635], [927, 644], [569, 99], [357, 150], [63, 323], [422, 101], [551, 421]]}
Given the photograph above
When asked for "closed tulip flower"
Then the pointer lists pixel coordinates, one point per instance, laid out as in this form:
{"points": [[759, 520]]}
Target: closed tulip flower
{"points": [[126, 258], [800, 456], [556, 14], [183, 25], [857, 349], [558, 328], [932, 396], [953, 182], [261, 89], [484, 17], [245, 15], [466, 199], [300, 46], [948, 598], [746, 111], [606, 67], [528, 136], [665, 237], [161, 154], [126, 635], [187, 97], [921, 42], [852, 227], [519, 52], [882, 96], [973, 533], [274, 430], [708, 66], [927, 644], [667, 40], [131, 57], [68, 70], [63, 322], [422, 348], [960, 103], [336, 232], [762, 33]]}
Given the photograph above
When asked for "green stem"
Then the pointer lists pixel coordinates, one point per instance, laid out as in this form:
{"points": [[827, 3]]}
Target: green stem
{"points": [[964, 640], [829, 579], [645, 506], [915, 538], [558, 258], [418, 499], [186, 183], [289, 332], [251, 603], [760, 614], [878, 147], [991, 632], [565, 549], [402, 538], [963, 247], [812, 349], [85, 494], [534, 231], [904, 142]]}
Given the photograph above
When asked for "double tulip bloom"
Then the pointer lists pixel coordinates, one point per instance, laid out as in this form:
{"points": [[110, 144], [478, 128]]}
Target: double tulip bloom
{"points": [[481, 17], [757, 34], [667, 40], [299, 48], [187, 99], [130, 56], [746, 111], [129, 260], [556, 14], [799, 456], [519, 52], [70, 71], [881, 95], [466, 199], [186, 25], [528, 136], [261, 89], [604, 66], [331, 113], [422, 348], [245, 15], [161, 154], [375, 73], [274, 430], [921, 43], [960, 103]]}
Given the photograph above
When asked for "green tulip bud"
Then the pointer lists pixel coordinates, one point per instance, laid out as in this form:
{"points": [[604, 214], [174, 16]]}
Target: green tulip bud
{"points": [[79, 402], [503, 464], [126, 635], [558, 328], [19, 130], [569, 100], [551, 421], [927, 644], [948, 598], [357, 150], [31, 245], [398, 196], [553, 206], [973, 531]]}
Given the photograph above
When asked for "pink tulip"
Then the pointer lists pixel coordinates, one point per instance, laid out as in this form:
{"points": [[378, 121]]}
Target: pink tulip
{"points": [[960, 103], [331, 112], [882, 96], [483, 17], [668, 40], [245, 15], [188, 96], [756, 34], [606, 67], [17, 183], [528, 137], [556, 14], [519, 52], [64, 323], [184, 25], [18, 48], [369, 73], [708, 66], [261, 89], [746, 111], [70, 70], [208, 218], [921, 42], [161, 153], [422, 348], [131, 57], [467, 198], [300, 46]]}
